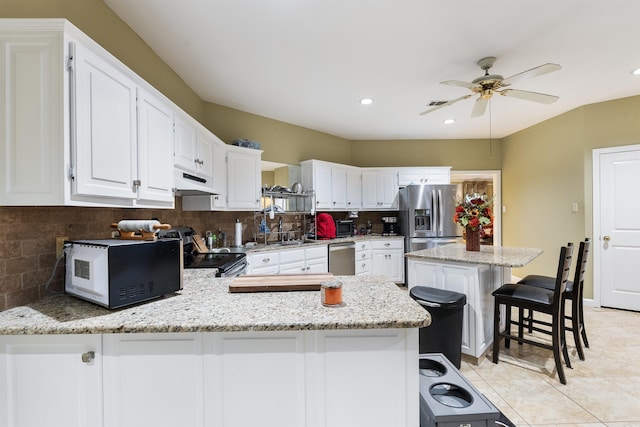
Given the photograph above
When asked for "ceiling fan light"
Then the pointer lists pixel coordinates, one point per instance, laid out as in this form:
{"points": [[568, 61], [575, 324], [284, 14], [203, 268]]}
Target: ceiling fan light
{"points": [[449, 121], [366, 101], [636, 72]]}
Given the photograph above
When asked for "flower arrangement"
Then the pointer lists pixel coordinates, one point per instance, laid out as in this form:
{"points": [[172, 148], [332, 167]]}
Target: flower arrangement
{"points": [[474, 212]]}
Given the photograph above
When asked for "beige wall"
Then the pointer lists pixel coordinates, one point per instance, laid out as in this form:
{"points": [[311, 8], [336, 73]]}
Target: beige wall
{"points": [[549, 166], [282, 142], [469, 154]]}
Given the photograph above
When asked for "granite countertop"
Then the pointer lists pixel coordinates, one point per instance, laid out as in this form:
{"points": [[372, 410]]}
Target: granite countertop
{"points": [[492, 255], [261, 247], [205, 305]]}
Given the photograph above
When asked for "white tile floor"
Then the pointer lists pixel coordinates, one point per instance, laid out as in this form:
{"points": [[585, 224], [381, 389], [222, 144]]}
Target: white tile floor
{"points": [[603, 390]]}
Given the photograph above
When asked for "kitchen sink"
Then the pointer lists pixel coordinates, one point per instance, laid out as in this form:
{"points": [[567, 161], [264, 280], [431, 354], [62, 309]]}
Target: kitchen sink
{"points": [[286, 243]]}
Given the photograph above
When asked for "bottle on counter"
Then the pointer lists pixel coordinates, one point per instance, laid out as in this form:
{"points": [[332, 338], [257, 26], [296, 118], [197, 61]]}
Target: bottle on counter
{"points": [[369, 227], [208, 239]]}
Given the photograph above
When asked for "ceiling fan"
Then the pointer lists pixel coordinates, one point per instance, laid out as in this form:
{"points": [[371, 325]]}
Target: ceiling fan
{"points": [[489, 84]]}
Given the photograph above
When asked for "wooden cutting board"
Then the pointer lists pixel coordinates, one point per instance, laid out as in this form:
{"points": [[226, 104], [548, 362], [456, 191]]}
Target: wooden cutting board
{"points": [[279, 282]]}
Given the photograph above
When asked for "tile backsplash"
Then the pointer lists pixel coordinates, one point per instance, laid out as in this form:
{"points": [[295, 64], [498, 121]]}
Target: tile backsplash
{"points": [[28, 240]]}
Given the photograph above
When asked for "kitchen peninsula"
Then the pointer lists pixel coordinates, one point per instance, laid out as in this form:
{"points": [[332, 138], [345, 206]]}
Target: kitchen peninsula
{"points": [[475, 274], [204, 356]]}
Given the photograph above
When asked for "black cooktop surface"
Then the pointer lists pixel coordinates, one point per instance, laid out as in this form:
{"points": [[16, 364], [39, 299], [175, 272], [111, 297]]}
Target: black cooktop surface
{"points": [[220, 260]]}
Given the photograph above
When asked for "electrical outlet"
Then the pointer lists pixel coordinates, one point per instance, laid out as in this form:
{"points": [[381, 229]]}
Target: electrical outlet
{"points": [[60, 245]]}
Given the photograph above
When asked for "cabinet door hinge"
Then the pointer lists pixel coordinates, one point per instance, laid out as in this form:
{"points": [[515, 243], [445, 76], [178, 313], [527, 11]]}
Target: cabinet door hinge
{"points": [[136, 184], [71, 173], [71, 57]]}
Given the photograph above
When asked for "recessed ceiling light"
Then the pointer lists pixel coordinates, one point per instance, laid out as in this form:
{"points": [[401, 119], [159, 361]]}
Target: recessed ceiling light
{"points": [[366, 101], [636, 72], [449, 121]]}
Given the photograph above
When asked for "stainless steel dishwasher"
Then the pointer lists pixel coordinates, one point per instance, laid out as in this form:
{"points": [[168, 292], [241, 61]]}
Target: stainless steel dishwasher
{"points": [[342, 258]]}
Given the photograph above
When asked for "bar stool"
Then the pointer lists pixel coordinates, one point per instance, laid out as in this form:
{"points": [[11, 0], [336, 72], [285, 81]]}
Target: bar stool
{"points": [[535, 299], [573, 293]]}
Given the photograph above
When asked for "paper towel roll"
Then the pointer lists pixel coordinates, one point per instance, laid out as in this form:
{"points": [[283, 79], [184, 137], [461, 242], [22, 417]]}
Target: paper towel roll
{"points": [[237, 239]]}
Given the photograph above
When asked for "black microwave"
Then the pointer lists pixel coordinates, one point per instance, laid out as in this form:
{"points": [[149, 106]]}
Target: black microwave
{"points": [[344, 227]]}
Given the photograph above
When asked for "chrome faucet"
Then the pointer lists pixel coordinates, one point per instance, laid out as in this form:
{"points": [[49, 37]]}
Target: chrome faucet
{"points": [[280, 229]]}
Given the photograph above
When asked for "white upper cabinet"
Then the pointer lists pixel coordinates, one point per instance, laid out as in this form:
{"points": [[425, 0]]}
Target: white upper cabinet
{"points": [[244, 178], [354, 189], [238, 170], [379, 189], [427, 175], [105, 118], [155, 148], [101, 136], [336, 186], [194, 155], [316, 175]]}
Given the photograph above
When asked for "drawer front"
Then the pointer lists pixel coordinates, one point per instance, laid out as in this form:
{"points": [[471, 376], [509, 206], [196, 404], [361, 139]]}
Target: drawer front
{"points": [[317, 252], [363, 255], [363, 266], [387, 244], [263, 259], [362, 246], [291, 255]]}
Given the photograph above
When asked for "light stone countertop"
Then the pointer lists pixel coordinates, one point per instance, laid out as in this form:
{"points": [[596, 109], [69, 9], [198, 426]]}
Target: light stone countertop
{"points": [[492, 255], [206, 305], [261, 247]]}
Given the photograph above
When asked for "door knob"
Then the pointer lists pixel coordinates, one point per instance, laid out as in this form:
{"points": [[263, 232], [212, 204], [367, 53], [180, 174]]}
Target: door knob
{"points": [[88, 357], [606, 238]]}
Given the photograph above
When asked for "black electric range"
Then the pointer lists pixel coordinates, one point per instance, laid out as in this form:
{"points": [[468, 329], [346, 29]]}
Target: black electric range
{"points": [[228, 264]]}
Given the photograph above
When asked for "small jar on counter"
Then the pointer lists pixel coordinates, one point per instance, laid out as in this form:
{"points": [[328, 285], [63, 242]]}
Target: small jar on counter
{"points": [[331, 293]]}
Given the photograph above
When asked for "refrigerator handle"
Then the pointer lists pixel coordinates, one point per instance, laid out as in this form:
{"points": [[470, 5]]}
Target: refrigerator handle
{"points": [[434, 213], [440, 214]]}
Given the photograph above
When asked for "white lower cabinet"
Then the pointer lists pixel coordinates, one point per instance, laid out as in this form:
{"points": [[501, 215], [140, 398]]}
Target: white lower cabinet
{"points": [[153, 380], [267, 262], [289, 261], [363, 259], [476, 281], [50, 380], [387, 257], [255, 379], [326, 378]]}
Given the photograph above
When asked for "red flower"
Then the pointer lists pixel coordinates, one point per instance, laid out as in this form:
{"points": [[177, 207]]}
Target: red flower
{"points": [[474, 222], [459, 208]]}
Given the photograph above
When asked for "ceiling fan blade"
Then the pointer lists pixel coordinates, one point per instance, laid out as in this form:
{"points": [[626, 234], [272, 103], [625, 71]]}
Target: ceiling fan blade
{"points": [[479, 107], [529, 96], [460, 83], [446, 104], [534, 72]]}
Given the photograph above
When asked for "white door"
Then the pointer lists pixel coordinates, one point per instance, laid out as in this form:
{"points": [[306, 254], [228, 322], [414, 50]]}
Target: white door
{"points": [[617, 226]]}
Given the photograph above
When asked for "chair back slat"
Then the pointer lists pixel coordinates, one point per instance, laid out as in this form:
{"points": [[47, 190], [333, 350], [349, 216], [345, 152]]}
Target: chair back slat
{"points": [[581, 262], [564, 265]]}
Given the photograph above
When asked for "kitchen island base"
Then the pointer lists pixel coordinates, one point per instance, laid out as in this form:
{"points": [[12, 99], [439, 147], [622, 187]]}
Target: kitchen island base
{"points": [[274, 378]]}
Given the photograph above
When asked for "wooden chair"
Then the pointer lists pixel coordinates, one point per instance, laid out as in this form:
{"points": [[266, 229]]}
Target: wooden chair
{"points": [[539, 300], [573, 293]]}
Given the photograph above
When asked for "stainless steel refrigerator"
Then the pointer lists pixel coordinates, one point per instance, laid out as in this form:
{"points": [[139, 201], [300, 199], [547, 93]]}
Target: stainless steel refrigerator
{"points": [[425, 217]]}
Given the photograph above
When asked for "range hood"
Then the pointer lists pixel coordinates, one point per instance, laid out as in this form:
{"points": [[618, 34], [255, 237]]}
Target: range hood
{"points": [[187, 184]]}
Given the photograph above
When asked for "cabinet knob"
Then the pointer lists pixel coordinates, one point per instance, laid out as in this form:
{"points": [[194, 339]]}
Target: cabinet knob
{"points": [[88, 357], [387, 244], [606, 238], [265, 259]]}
